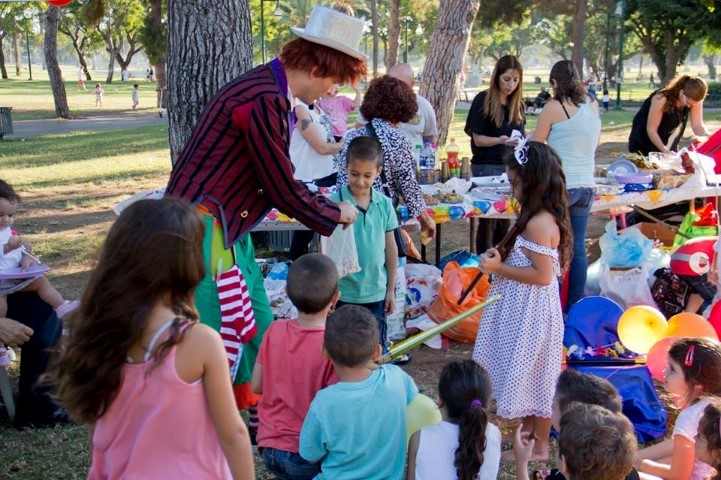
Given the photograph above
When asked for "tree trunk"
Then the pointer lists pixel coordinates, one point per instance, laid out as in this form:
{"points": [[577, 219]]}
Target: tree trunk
{"points": [[579, 23], [374, 33], [3, 70], [52, 17], [675, 45], [394, 30], [161, 83], [16, 53], [113, 48], [710, 61], [448, 46], [209, 44]]}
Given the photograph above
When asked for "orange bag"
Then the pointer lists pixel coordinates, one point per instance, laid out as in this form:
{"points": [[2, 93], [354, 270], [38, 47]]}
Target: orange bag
{"points": [[445, 307]]}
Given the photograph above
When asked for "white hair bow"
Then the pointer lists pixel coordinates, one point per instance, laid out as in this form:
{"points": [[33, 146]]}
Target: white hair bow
{"points": [[521, 149]]}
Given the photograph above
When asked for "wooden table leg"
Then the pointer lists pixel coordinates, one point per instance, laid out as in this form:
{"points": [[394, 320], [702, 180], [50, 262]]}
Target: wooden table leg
{"points": [[438, 245]]}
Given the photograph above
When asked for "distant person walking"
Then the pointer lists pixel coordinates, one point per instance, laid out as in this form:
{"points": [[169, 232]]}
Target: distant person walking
{"points": [[99, 92], [651, 81], [134, 93], [81, 80], [125, 75]]}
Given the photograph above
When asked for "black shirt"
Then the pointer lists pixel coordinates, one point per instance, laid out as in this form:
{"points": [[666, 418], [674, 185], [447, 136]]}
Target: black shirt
{"points": [[481, 124], [638, 140]]}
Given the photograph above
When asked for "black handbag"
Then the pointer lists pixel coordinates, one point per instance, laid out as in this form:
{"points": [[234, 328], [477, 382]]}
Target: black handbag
{"points": [[398, 232]]}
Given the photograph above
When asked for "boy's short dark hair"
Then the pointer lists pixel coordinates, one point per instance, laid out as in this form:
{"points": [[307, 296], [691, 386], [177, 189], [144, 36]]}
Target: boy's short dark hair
{"points": [[596, 443], [312, 281], [135, 85], [351, 335], [365, 149], [574, 386], [8, 193]]}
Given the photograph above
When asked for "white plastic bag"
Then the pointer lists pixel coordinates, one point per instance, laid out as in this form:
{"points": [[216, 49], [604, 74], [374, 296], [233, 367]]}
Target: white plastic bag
{"points": [[628, 288], [340, 247], [422, 283], [395, 320]]}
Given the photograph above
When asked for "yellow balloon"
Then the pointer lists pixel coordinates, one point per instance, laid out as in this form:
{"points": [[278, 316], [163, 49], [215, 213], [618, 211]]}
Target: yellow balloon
{"points": [[421, 412], [640, 327]]}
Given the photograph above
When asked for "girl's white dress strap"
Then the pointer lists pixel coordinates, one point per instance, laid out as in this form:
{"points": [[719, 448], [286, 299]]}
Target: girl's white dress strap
{"points": [[534, 247]]}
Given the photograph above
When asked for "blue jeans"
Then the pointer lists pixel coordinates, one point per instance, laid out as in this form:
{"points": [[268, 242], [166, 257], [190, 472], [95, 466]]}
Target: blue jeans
{"points": [[579, 206], [289, 465], [377, 309]]}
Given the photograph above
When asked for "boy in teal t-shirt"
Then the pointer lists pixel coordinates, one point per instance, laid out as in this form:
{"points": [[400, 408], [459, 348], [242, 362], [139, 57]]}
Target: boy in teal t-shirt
{"points": [[373, 287], [356, 428]]}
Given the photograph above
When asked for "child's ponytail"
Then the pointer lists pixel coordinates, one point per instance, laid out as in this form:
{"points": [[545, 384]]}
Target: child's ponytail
{"points": [[471, 441], [464, 389]]}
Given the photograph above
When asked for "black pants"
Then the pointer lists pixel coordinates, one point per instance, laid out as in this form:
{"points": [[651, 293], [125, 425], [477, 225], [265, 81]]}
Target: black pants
{"points": [[490, 232], [35, 407], [302, 238]]}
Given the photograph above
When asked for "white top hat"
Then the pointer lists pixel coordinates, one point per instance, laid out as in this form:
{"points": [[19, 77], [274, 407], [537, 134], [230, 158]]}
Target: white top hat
{"points": [[333, 29]]}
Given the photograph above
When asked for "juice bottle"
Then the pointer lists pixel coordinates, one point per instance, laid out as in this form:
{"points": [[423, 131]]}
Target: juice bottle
{"points": [[452, 151]]}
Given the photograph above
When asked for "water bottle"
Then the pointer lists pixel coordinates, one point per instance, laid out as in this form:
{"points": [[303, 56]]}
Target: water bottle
{"points": [[427, 163]]}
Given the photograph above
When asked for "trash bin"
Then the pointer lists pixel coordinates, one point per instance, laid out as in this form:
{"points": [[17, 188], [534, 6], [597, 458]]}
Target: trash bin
{"points": [[6, 123]]}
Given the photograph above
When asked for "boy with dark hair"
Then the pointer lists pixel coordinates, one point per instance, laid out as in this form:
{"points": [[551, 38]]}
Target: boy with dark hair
{"points": [[595, 444], [357, 427], [290, 368], [574, 388], [373, 287]]}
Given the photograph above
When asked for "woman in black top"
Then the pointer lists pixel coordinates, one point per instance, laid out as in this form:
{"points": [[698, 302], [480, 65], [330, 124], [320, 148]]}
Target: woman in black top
{"points": [[494, 114], [664, 114]]}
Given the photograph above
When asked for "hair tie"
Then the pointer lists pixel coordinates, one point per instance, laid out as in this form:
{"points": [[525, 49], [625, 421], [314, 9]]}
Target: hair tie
{"points": [[476, 403], [521, 149], [689, 356]]}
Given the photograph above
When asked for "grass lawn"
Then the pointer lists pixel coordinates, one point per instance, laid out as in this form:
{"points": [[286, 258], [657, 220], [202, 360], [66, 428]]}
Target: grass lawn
{"points": [[69, 184]]}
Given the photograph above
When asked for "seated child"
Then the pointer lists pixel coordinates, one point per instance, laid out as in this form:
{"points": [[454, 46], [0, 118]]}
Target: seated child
{"points": [[291, 369], [356, 428], [15, 252], [465, 444], [594, 444], [576, 387], [693, 376], [373, 287], [708, 441]]}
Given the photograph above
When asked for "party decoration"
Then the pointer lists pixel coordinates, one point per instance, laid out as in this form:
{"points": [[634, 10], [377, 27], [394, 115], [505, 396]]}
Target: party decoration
{"points": [[640, 327], [500, 206], [421, 412], [654, 195], [456, 213], [482, 205], [59, 3], [687, 324], [657, 359], [693, 257]]}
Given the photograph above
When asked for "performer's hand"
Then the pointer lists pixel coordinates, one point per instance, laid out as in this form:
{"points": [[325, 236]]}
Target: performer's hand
{"points": [[14, 333], [490, 262], [348, 212], [428, 224], [389, 304]]}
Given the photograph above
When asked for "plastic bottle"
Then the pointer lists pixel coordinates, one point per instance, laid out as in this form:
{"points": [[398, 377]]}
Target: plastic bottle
{"points": [[452, 151], [417, 152], [427, 164]]}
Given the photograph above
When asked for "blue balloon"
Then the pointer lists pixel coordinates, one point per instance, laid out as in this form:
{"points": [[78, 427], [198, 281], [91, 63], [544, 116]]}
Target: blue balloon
{"points": [[456, 213]]}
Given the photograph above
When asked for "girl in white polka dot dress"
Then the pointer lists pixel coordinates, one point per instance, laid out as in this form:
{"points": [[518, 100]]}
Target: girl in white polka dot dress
{"points": [[520, 336]]}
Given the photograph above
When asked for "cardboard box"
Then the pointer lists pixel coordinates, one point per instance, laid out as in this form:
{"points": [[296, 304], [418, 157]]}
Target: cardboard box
{"points": [[656, 231]]}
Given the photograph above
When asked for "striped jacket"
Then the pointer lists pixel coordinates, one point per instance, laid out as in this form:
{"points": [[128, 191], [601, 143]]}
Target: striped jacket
{"points": [[237, 163]]}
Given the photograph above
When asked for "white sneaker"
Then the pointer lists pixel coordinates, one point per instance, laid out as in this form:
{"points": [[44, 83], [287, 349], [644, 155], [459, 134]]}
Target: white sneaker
{"points": [[66, 307]]}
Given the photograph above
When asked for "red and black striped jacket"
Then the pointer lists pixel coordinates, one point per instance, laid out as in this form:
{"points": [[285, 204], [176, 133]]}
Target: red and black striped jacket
{"points": [[237, 163]]}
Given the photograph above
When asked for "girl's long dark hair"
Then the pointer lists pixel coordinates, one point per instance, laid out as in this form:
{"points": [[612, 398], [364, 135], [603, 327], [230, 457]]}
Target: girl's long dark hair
{"points": [[465, 389], [152, 254], [543, 187]]}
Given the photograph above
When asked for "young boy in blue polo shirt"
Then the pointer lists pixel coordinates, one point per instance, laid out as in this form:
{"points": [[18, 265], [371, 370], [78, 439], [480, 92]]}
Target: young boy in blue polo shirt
{"points": [[373, 286]]}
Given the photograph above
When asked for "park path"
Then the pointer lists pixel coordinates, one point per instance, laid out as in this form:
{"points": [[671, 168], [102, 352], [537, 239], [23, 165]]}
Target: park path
{"points": [[37, 128]]}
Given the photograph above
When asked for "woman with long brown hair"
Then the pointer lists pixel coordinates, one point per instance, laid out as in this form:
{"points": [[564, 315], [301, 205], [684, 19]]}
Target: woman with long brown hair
{"points": [[571, 124], [494, 114], [659, 124]]}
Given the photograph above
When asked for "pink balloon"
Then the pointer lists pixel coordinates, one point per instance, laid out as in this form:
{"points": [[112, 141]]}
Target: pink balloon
{"points": [[657, 359]]}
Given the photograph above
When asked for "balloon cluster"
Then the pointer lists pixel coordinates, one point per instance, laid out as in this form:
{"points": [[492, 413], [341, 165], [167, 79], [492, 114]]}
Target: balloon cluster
{"points": [[645, 331]]}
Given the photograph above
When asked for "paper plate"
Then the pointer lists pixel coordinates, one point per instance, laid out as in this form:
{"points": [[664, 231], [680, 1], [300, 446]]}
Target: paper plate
{"points": [[621, 166], [18, 273]]}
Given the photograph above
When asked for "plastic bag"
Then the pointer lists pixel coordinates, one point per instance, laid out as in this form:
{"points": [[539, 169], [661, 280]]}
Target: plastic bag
{"points": [[340, 247], [629, 248], [396, 319], [422, 284], [627, 287], [445, 307]]}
